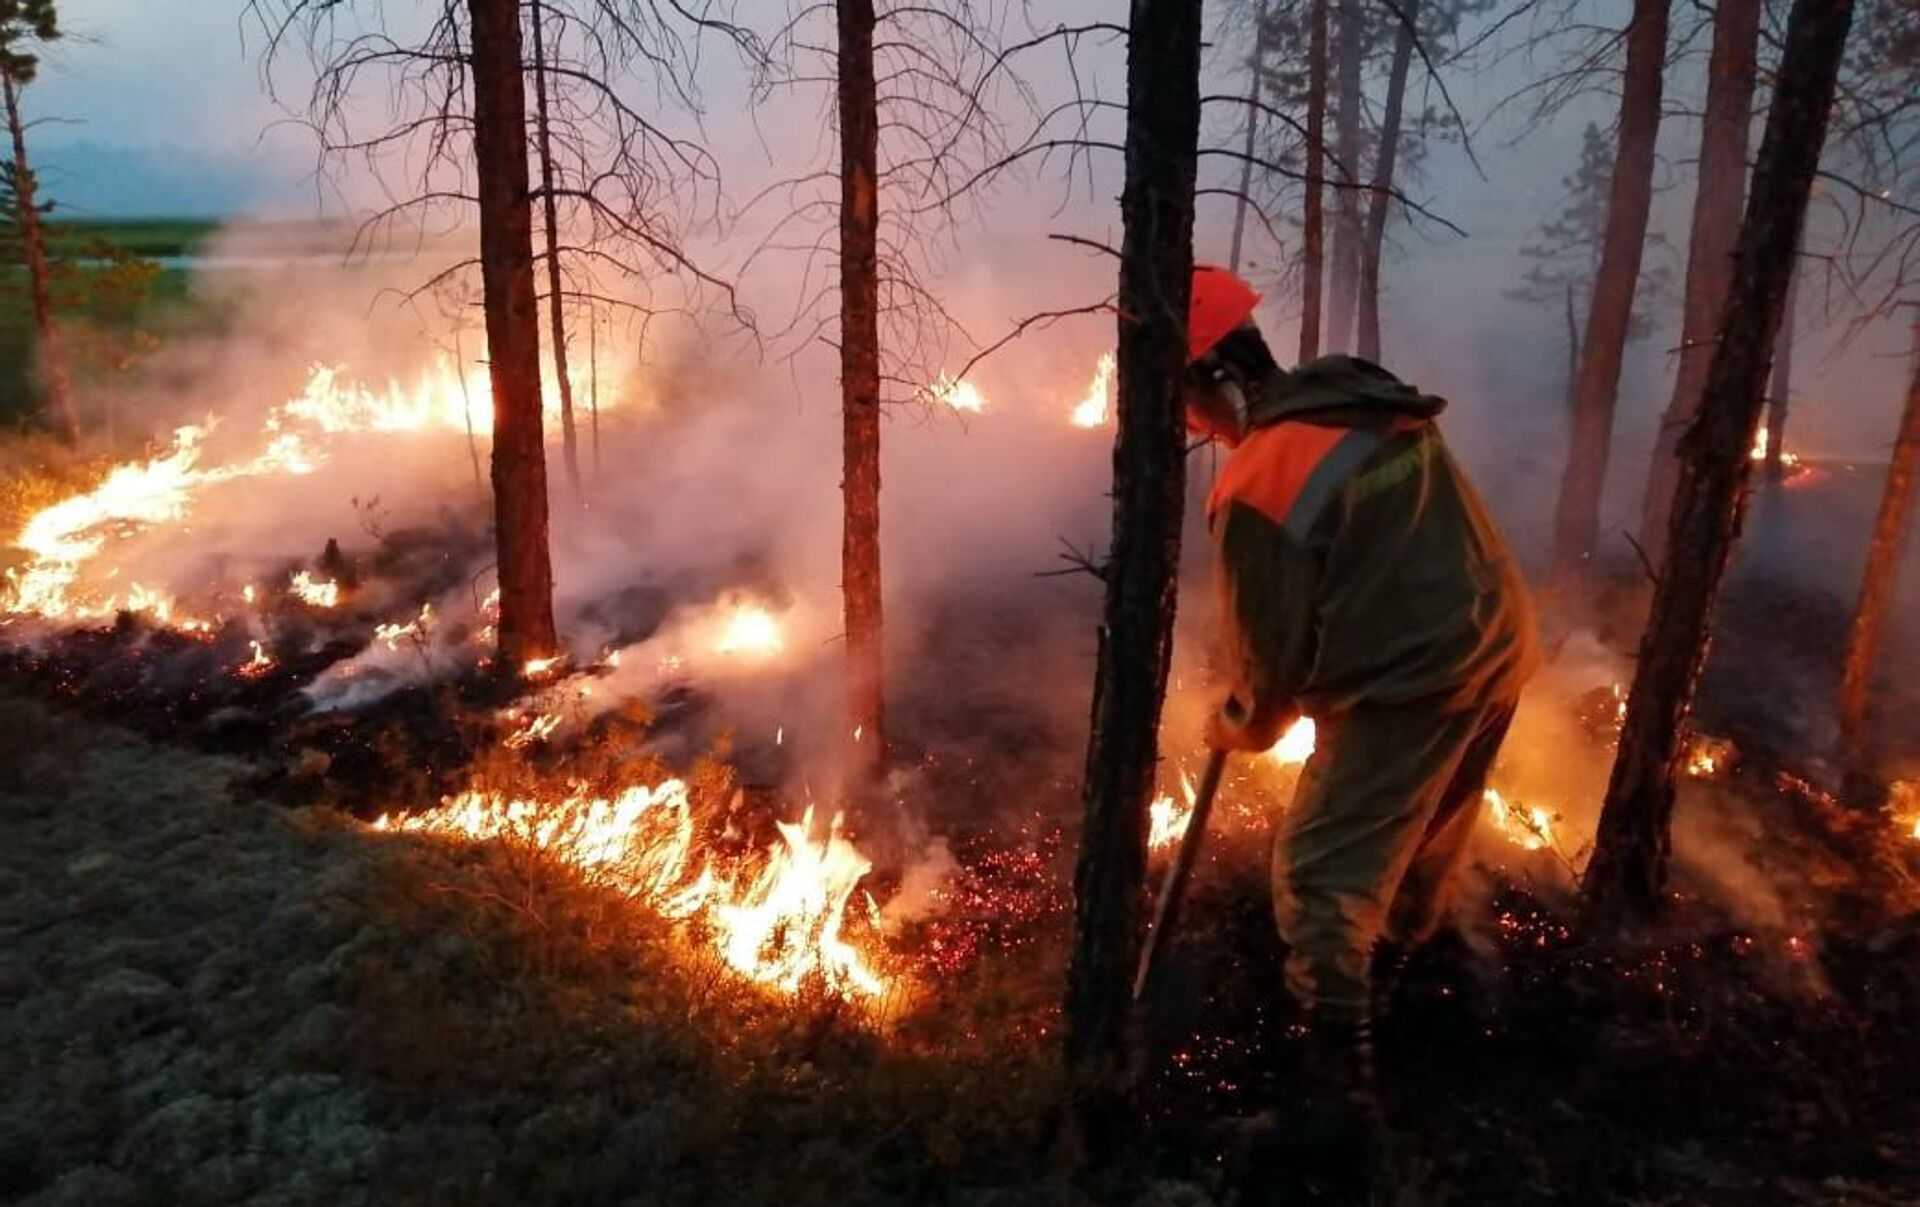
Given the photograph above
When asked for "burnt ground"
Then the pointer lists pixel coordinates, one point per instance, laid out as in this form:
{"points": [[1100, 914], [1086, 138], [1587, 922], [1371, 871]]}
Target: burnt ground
{"points": [[219, 988]]}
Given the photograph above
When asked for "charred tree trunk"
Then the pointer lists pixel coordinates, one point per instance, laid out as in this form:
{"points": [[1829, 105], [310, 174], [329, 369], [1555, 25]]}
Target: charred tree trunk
{"points": [[1884, 555], [513, 334], [1346, 207], [1254, 67], [52, 357], [1731, 73], [1577, 520], [1782, 390], [556, 296], [1313, 253], [1136, 631], [1626, 880], [860, 382], [1379, 201]]}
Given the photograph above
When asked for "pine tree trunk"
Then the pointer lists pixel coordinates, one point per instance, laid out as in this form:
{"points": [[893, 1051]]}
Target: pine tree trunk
{"points": [[1346, 204], [593, 385], [1573, 347], [51, 355], [1254, 67], [1136, 632], [513, 334], [860, 383], [1626, 880], [1782, 389], [1629, 198], [556, 297], [1313, 255], [1379, 202], [1731, 74], [1884, 556]]}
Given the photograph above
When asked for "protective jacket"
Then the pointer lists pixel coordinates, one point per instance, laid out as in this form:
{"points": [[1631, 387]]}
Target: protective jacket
{"points": [[1355, 563]]}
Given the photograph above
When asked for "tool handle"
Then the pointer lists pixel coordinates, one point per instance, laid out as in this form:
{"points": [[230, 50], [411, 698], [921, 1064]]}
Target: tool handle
{"points": [[1166, 911]]}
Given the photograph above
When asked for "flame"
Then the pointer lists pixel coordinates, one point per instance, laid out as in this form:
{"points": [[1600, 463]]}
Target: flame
{"points": [[749, 630], [62, 541], [1758, 452], [780, 929], [392, 634], [1295, 746], [314, 592], [1528, 827], [534, 668], [258, 665], [960, 394], [1092, 410], [1903, 801], [536, 729], [1167, 821], [1708, 757]]}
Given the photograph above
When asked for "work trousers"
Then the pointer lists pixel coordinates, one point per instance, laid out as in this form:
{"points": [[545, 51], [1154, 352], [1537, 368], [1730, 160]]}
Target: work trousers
{"points": [[1378, 826]]}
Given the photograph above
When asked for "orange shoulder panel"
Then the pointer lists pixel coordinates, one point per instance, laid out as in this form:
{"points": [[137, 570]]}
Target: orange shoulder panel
{"points": [[1270, 467]]}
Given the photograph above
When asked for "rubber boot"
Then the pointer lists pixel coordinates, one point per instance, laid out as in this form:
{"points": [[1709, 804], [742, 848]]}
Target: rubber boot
{"points": [[1323, 1141]]}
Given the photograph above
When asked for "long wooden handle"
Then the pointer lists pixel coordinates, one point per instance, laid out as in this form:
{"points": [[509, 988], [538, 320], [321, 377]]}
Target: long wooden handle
{"points": [[1166, 911]]}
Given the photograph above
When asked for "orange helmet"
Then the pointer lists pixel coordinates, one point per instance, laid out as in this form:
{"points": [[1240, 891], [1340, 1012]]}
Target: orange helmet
{"points": [[1221, 302]]}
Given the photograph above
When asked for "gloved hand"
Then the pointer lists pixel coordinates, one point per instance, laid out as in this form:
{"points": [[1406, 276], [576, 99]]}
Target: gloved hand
{"points": [[1230, 728]]}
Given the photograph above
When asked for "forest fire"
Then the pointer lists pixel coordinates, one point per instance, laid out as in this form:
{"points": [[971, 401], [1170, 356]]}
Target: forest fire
{"points": [[777, 920], [1093, 410]]}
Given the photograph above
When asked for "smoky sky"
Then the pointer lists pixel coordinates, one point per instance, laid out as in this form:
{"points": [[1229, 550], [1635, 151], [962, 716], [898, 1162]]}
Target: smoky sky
{"points": [[159, 106]]}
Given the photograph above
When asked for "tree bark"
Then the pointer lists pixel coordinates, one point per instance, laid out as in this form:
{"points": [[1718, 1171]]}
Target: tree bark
{"points": [[1254, 66], [1573, 347], [1312, 212], [1626, 880], [593, 384], [1629, 198], [1379, 201], [1884, 555], [860, 383], [52, 356], [1731, 73], [1782, 389], [513, 335], [556, 297], [1343, 286], [1136, 632]]}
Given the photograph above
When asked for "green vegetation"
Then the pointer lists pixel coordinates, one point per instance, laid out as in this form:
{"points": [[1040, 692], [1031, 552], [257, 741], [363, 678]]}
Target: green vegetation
{"points": [[153, 238]]}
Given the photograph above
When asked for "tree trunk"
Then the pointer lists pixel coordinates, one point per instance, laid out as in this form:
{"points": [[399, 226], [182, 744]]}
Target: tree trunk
{"points": [[1254, 66], [1577, 521], [52, 357], [1346, 204], [1573, 347], [1136, 631], [1884, 556], [466, 406], [1782, 391], [1626, 880], [1722, 188], [1379, 202], [513, 335], [556, 297], [593, 384], [1313, 254], [860, 383]]}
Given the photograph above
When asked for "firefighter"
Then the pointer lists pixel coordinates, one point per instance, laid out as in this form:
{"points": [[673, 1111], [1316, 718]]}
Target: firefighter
{"points": [[1362, 583]]}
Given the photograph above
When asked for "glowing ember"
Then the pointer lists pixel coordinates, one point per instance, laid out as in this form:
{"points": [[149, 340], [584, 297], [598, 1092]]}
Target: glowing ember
{"points": [[534, 668], [961, 395], [1295, 746], [1528, 827], [749, 631], [781, 929], [1092, 411], [314, 592]]}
